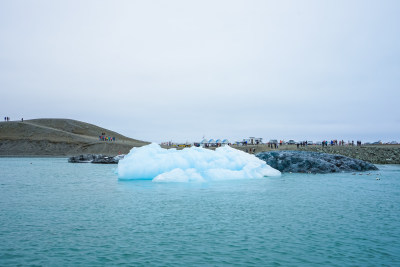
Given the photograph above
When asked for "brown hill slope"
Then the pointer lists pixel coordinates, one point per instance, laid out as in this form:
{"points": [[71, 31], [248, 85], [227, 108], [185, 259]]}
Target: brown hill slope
{"points": [[60, 137]]}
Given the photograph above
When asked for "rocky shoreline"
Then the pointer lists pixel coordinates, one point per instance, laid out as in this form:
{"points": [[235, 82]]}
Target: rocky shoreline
{"points": [[65, 138], [97, 159], [313, 162]]}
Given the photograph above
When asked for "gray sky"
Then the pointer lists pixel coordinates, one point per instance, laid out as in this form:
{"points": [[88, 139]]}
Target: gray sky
{"points": [[178, 70]]}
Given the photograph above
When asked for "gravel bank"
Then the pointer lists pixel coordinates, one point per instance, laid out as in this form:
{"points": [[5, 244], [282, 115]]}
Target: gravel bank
{"points": [[379, 154]]}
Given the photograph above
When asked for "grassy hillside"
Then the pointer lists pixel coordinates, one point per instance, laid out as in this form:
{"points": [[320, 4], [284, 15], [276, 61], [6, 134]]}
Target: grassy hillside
{"points": [[59, 137]]}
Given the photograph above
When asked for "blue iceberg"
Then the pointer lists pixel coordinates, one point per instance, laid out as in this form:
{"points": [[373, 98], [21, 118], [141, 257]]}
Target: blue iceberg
{"points": [[193, 164]]}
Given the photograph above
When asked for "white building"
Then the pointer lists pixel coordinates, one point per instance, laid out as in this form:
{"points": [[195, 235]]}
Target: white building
{"points": [[252, 141]]}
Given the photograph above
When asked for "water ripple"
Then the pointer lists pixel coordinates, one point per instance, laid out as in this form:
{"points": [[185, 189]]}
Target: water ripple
{"points": [[65, 214]]}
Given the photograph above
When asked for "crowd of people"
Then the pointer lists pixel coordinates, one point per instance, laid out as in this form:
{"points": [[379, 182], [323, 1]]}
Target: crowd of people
{"points": [[324, 143], [340, 143], [273, 145], [104, 137], [301, 144]]}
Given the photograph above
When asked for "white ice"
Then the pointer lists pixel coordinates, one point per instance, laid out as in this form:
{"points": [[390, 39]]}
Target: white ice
{"points": [[193, 164]]}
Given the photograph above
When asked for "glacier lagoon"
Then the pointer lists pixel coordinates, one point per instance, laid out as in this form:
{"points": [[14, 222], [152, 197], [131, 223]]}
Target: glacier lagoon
{"points": [[56, 213]]}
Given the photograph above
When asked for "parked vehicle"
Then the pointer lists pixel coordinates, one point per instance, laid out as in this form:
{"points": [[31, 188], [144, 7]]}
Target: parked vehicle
{"points": [[291, 142]]}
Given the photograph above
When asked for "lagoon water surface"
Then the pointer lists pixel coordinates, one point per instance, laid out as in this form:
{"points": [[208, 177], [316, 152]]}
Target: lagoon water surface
{"points": [[56, 213]]}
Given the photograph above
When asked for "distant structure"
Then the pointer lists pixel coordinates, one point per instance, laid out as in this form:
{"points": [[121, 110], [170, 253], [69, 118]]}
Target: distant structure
{"points": [[212, 142], [251, 141], [204, 143]]}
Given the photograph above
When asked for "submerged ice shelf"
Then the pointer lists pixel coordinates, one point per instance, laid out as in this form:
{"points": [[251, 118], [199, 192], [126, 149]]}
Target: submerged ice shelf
{"points": [[193, 164]]}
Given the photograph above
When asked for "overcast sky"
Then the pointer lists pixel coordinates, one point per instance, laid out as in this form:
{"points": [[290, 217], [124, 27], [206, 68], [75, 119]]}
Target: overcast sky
{"points": [[181, 70]]}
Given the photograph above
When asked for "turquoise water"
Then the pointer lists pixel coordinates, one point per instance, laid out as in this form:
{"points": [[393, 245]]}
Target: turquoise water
{"points": [[54, 213]]}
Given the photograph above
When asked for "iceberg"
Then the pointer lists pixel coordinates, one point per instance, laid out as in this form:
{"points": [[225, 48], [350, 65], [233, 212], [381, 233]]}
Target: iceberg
{"points": [[194, 164]]}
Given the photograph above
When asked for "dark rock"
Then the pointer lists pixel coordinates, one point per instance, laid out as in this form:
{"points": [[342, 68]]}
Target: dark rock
{"points": [[95, 158], [105, 160], [88, 158], [314, 162]]}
